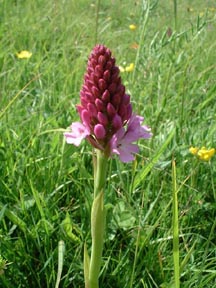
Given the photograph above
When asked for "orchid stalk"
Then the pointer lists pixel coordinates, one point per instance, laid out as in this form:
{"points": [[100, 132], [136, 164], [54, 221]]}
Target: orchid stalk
{"points": [[110, 126]]}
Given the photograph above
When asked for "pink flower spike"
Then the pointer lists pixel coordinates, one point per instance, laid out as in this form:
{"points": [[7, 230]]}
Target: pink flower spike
{"points": [[105, 110], [77, 134]]}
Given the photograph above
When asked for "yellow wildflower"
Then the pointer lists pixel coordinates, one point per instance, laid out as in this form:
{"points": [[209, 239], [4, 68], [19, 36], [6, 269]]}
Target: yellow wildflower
{"points": [[194, 150], [24, 54], [129, 68], [201, 14], [132, 27], [203, 153]]}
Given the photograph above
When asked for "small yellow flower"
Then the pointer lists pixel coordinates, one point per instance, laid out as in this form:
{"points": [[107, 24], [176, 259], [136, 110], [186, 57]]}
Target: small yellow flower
{"points": [[201, 14], [193, 150], [203, 153], [129, 68], [24, 54], [132, 27]]}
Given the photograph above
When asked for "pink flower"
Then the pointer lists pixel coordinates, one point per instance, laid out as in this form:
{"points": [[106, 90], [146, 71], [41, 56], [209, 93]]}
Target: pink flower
{"points": [[122, 142], [135, 131], [122, 146], [77, 134]]}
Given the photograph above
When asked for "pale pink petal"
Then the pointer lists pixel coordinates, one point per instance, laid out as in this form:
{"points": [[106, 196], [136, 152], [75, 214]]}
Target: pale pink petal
{"points": [[135, 131], [122, 141], [120, 146], [77, 134], [134, 121], [145, 132], [126, 151]]}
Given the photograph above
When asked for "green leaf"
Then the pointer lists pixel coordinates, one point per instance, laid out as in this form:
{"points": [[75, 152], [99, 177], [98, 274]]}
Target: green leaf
{"points": [[68, 227]]}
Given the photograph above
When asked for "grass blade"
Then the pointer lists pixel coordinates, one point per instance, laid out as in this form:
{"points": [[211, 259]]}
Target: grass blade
{"points": [[141, 176], [17, 95], [175, 228], [61, 250]]}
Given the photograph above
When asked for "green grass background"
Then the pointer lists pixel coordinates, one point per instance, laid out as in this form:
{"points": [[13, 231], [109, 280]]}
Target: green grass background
{"points": [[41, 179]]}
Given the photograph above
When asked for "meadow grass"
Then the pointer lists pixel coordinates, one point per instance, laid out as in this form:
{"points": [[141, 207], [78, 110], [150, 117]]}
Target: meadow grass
{"points": [[46, 186]]}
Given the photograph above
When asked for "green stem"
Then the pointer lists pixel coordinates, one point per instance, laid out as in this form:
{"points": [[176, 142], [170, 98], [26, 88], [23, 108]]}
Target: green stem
{"points": [[98, 216], [100, 172]]}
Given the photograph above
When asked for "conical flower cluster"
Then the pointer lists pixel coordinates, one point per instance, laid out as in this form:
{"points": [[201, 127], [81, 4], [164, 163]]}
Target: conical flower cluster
{"points": [[105, 109]]}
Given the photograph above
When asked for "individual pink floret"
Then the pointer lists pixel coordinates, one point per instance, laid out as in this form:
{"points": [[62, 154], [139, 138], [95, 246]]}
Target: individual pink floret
{"points": [[123, 147], [135, 130], [77, 134], [122, 141]]}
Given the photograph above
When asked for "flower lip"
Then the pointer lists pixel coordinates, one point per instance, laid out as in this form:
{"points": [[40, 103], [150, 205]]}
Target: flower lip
{"points": [[122, 142], [122, 147]]}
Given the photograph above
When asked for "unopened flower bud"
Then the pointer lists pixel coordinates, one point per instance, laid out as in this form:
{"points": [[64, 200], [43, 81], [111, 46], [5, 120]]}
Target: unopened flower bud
{"points": [[99, 131]]}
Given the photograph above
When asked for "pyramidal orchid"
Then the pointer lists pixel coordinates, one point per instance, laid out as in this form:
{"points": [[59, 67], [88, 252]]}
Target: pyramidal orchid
{"points": [[111, 127], [105, 110]]}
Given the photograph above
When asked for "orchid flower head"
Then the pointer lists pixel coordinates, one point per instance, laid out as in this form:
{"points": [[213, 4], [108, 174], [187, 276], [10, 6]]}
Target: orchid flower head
{"points": [[105, 110]]}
